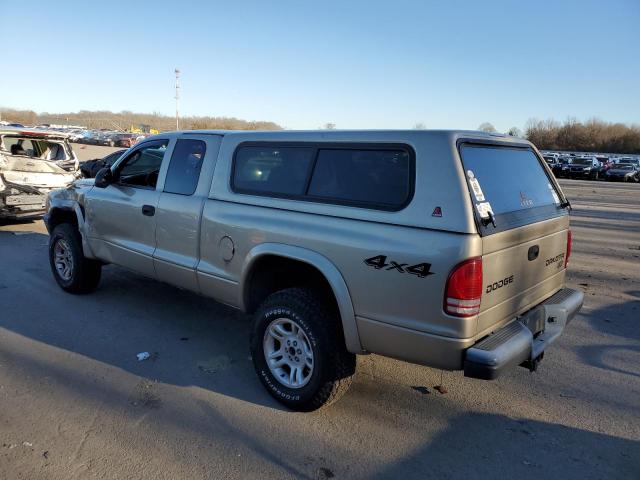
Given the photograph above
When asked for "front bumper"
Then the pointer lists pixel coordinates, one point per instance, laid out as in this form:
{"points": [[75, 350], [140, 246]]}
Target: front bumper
{"points": [[580, 173], [20, 201], [524, 340]]}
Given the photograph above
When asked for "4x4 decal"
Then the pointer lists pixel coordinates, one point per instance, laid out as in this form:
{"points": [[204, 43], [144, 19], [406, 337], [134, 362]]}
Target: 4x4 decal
{"points": [[379, 262]]}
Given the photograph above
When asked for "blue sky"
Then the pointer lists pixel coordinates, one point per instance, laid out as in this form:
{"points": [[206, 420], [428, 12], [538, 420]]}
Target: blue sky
{"points": [[359, 64]]}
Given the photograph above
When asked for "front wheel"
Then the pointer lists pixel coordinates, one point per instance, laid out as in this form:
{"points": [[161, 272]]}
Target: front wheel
{"points": [[299, 351], [73, 272]]}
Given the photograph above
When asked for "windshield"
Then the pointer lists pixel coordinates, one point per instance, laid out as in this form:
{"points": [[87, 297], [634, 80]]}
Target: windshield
{"points": [[624, 167]]}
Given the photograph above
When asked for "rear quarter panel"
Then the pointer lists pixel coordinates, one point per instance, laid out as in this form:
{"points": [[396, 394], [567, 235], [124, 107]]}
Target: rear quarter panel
{"points": [[387, 294]]}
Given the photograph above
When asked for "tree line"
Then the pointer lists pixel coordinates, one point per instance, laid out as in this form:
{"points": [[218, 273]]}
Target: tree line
{"points": [[591, 136], [125, 119]]}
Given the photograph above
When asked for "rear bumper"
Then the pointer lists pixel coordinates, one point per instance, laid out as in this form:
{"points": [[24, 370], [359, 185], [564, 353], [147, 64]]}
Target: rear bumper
{"points": [[524, 340]]}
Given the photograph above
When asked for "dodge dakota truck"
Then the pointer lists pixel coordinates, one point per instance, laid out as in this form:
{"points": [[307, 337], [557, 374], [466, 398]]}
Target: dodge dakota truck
{"points": [[442, 248]]}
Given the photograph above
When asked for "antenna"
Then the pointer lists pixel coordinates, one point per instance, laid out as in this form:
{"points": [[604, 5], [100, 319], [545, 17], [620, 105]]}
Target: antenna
{"points": [[177, 97]]}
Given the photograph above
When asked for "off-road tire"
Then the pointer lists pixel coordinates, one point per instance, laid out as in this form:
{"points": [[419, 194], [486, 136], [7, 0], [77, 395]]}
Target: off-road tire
{"points": [[86, 273], [334, 366]]}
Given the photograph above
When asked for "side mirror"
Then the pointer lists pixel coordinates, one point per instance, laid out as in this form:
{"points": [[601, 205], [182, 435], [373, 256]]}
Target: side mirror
{"points": [[104, 178]]}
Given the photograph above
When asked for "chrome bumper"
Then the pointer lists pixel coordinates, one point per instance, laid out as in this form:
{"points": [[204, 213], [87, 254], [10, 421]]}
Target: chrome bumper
{"points": [[523, 341]]}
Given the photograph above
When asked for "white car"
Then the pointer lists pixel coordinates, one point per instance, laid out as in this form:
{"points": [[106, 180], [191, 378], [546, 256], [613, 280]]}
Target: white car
{"points": [[32, 163]]}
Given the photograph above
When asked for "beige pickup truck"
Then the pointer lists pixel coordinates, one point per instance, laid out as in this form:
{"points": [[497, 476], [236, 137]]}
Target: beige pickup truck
{"points": [[442, 248]]}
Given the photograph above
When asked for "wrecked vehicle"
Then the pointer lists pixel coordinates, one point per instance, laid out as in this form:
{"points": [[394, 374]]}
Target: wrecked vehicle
{"points": [[32, 163]]}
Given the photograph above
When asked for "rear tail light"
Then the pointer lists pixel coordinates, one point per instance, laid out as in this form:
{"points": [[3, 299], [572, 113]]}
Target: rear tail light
{"points": [[464, 289], [569, 240]]}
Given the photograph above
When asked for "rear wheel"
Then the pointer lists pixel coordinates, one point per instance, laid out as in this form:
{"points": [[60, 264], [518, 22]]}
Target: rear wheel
{"points": [[72, 270], [299, 352]]}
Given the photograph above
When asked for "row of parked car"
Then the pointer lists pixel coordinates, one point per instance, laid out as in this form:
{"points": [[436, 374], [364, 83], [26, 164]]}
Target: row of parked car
{"points": [[110, 138], [594, 167]]}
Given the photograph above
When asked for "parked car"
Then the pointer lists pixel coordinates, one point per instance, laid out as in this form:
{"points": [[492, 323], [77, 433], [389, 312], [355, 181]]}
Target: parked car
{"points": [[77, 135], [617, 160], [106, 138], [583, 167], [31, 164], [623, 172], [88, 137], [561, 169], [90, 168], [326, 238], [551, 160], [126, 140]]}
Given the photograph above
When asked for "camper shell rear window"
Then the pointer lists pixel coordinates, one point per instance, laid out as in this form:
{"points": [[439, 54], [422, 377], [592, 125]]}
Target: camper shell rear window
{"points": [[508, 186]]}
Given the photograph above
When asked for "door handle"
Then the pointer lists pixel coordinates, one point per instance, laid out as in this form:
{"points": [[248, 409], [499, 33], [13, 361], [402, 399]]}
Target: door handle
{"points": [[533, 253], [148, 210]]}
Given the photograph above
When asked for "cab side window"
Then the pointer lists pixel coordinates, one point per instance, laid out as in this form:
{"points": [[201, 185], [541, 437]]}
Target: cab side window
{"points": [[184, 168], [272, 170], [141, 167]]}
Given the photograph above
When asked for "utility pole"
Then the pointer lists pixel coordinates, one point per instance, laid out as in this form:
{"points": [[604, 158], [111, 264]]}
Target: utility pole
{"points": [[177, 72]]}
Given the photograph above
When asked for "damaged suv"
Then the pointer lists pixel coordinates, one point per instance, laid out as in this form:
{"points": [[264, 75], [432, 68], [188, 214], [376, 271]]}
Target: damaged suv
{"points": [[442, 248], [32, 163]]}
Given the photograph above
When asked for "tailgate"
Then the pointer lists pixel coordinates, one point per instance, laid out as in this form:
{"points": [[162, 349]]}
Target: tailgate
{"points": [[524, 226], [521, 268]]}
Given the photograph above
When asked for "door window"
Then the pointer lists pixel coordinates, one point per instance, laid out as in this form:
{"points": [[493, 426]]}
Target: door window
{"points": [[185, 166], [141, 167]]}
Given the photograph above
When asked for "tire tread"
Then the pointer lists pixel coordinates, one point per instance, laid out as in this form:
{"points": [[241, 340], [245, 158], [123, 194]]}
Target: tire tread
{"points": [[341, 363], [88, 273]]}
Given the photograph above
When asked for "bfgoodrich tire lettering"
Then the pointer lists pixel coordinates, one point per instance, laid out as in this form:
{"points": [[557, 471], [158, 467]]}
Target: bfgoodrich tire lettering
{"points": [[84, 274], [333, 365]]}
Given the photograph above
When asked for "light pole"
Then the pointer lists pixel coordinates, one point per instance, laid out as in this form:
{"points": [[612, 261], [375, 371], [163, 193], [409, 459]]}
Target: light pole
{"points": [[177, 72]]}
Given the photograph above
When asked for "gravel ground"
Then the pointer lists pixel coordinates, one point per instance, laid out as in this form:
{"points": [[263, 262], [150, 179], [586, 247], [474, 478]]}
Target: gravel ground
{"points": [[75, 402]]}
